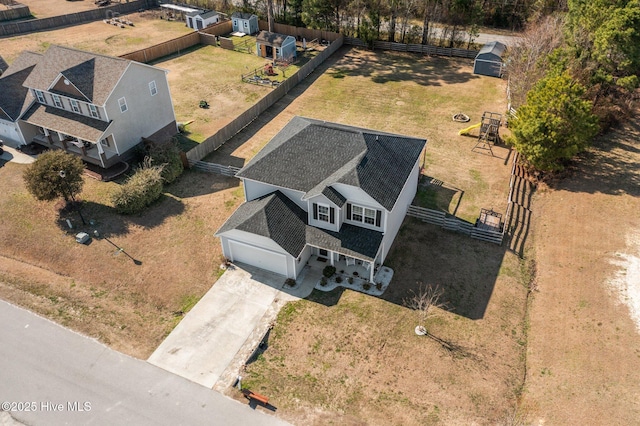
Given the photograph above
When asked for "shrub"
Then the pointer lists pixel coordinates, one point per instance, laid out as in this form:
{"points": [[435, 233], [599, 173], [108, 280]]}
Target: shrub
{"points": [[168, 157], [290, 282], [350, 280], [140, 190], [366, 286], [323, 281], [379, 286], [328, 271], [338, 279]]}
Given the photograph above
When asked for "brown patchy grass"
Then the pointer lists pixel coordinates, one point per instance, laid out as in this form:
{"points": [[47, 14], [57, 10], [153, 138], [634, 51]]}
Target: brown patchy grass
{"points": [[405, 94], [98, 37], [48, 8], [92, 288], [584, 348]]}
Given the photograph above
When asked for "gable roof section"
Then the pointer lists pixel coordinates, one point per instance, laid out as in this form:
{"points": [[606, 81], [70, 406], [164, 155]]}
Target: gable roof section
{"points": [[334, 196], [80, 126], [273, 39], [15, 97], [208, 14], [310, 155], [93, 75], [277, 217], [492, 50], [243, 15]]}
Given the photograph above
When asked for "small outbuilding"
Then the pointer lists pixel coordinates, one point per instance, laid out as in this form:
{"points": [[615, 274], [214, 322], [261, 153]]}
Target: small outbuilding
{"points": [[244, 23], [489, 60], [277, 47], [199, 20]]}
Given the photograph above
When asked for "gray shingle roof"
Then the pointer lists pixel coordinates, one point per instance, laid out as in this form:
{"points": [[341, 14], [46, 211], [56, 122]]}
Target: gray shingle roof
{"points": [[309, 155], [277, 217], [3, 65], [493, 49], [334, 196], [94, 75], [273, 39], [15, 98], [242, 15], [80, 126]]}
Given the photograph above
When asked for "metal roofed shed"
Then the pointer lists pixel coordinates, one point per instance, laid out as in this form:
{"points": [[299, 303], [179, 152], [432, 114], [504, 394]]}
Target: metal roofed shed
{"points": [[489, 60]]}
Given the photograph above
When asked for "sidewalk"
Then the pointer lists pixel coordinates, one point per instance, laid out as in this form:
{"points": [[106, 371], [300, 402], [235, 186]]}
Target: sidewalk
{"points": [[13, 155]]}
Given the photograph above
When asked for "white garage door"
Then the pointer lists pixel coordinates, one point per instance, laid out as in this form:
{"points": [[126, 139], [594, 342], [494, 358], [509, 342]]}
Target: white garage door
{"points": [[265, 259]]}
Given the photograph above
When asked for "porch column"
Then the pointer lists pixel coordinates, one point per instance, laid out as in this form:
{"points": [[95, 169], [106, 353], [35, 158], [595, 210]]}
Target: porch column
{"points": [[331, 257], [371, 268]]}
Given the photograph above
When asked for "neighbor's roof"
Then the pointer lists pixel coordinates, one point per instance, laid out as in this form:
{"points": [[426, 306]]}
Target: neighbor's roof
{"points": [[203, 14], [277, 217], [242, 15], [15, 98], [59, 120], [310, 155], [273, 39], [93, 75], [493, 48]]}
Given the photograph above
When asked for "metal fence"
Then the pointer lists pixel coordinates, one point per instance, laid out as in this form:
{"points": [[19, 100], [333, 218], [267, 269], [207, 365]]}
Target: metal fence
{"points": [[214, 168]]}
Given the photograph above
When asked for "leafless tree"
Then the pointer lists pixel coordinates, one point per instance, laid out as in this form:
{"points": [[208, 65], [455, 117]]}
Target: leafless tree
{"points": [[425, 303]]}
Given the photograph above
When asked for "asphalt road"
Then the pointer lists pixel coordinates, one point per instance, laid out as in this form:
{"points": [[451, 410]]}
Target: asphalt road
{"points": [[52, 376]]}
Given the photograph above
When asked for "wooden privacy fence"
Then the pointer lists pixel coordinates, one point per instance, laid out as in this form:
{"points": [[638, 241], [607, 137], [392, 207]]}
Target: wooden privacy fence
{"points": [[299, 32], [221, 136], [205, 36], [34, 25], [214, 168], [15, 11], [414, 48], [452, 223]]}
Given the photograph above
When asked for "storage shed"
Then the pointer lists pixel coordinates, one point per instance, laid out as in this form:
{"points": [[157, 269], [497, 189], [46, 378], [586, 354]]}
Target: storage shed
{"points": [[244, 23], [277, 47], [199, 19], [489, 60]]}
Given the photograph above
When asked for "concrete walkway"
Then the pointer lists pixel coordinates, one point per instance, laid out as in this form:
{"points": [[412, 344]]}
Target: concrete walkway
{"points": [[12, 154], [216, 337]]}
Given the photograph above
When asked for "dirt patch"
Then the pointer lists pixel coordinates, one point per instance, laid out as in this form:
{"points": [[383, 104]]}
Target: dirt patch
{"points": [[584, 345], [48, 8]]}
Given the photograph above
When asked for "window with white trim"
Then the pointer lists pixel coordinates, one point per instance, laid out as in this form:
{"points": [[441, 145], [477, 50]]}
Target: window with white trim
{"points": [[123, 104], [94, 111], [363, 214], [57, 102], [40, 97], [152, 88], [75, 106], [323, 213]]}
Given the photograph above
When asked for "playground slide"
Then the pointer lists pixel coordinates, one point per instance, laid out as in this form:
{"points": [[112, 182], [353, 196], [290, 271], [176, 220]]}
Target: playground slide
{"points": [[466, 131]]}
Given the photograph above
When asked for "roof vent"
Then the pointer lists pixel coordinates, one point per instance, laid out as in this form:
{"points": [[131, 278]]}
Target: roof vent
{"points": [[66, 81]]}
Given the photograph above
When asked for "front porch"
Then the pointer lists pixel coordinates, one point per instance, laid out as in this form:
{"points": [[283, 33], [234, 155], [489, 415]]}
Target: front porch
{"points": [[87, 151]]}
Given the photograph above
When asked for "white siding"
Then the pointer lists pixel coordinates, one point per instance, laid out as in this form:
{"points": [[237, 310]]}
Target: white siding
{"points": [[10, 133], [254, 189], [397, 215], [304, 257], [356, 195], [321, 199]]}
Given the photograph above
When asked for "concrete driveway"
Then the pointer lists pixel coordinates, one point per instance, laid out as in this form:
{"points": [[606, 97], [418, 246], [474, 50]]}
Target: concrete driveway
{"points": [[216, 337], [12, 154]]}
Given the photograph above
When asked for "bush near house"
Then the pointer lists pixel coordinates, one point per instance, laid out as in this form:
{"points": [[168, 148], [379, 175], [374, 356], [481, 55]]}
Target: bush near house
{"points": [[168, 156], [140, 190]]}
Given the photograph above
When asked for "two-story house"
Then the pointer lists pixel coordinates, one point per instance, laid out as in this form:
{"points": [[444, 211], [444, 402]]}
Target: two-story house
{"points": [[95, 106], [323, 189]]}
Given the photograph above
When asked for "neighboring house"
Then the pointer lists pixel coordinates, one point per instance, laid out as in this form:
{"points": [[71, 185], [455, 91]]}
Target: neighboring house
{"points": [[274, 46], [199, 20], [15, 97], [244, 22], [323, 189], [98, 107], [489, 59]]}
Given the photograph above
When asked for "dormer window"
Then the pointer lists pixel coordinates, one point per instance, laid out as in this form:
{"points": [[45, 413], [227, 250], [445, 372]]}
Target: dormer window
{"points": [[323, 213], [57, 102], [94, 111], [40, 97], [75, 107], [363, 214]]}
